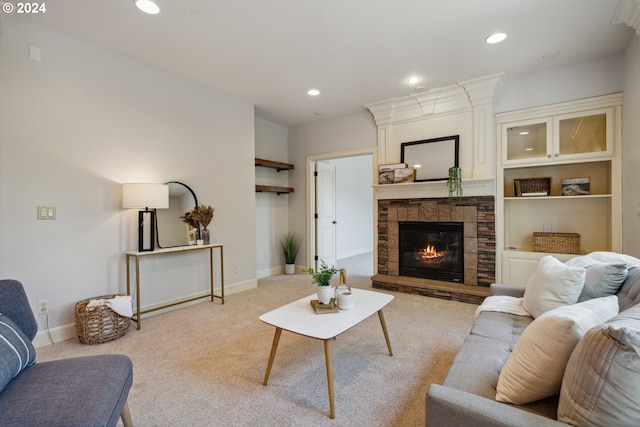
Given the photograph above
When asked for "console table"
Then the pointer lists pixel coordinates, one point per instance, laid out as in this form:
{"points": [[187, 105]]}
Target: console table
{"points": [[168, 251]]}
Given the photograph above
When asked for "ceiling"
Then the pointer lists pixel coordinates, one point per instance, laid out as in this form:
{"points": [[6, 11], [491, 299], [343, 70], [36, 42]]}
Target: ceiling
{"points": [[270, 52]]}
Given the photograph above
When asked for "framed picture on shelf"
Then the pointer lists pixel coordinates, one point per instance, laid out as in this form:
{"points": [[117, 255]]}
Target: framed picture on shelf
{"points": [[575, 186]]}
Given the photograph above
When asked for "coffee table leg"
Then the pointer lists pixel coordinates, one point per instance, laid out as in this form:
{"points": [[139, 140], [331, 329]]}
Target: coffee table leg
{"points": [[274, 347], [327, 356], [384, 329]]}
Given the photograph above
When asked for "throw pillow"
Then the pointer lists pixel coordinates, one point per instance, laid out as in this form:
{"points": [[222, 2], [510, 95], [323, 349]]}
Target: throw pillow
{"points": [[534, 369], [601, 385], [553, 284], [602, 280], [16, 351]]}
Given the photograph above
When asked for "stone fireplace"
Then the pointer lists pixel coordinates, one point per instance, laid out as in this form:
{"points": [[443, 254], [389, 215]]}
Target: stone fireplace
{"points": [[477, 216]]}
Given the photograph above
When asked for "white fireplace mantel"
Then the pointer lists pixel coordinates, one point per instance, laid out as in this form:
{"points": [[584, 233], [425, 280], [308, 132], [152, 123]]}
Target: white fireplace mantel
{"points": [[433, 189], [465, 108]]}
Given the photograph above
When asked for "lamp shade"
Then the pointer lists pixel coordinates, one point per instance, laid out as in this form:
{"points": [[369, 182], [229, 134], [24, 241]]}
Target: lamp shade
{"points": [[145, 196]]}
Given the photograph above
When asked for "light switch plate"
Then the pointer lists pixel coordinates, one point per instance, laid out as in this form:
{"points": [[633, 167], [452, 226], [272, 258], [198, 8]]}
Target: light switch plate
{"points": [[46, 212]]}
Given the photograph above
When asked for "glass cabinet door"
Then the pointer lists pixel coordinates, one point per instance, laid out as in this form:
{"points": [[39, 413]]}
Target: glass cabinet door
{"points": [[583, 134], [527, 140]]}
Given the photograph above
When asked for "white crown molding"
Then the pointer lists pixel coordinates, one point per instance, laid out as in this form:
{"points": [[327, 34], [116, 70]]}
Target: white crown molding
{"points": [[461, 97], [628, 12]]}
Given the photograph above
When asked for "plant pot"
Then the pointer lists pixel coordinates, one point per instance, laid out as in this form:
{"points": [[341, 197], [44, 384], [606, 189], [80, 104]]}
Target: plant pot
{"points": [[290, 269], [325, 293]]}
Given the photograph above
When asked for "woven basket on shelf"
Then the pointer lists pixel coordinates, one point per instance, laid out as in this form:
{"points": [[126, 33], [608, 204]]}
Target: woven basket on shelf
{"points": [[559, 243], [524, 186], [99, 324]]}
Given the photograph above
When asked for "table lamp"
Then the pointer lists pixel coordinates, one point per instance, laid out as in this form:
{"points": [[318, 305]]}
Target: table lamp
{"points": [[147, 196]]}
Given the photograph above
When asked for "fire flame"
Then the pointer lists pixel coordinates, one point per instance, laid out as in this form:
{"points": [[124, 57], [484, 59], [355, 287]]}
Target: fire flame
{"points": [[429, 252]]}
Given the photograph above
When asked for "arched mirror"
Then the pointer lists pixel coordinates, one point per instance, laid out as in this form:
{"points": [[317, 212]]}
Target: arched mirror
{"points": [[171, 230]]}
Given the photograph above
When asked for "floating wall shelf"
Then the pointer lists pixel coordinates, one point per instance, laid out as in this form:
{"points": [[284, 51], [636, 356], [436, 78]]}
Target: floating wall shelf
{"points": [[278, 166], [275, 165], [273, 189]]}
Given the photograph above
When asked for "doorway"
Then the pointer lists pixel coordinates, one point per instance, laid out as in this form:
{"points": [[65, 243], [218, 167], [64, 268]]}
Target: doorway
{"points": [[341, 210]]}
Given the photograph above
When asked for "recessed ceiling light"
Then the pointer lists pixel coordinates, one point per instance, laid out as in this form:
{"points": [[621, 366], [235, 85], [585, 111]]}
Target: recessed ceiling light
{"points": [[528, 149], [313, 92], [495, 38], [147, 6], [524, 133], [413, 80]]}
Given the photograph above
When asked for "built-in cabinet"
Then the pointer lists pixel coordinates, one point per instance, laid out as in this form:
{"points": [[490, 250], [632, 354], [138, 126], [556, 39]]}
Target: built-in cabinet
{"points": [[579, 139]]}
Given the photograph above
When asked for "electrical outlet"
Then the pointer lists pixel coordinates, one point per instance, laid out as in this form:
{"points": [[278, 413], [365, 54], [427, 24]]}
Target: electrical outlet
{"points": [[43, 306], [546, 228]]}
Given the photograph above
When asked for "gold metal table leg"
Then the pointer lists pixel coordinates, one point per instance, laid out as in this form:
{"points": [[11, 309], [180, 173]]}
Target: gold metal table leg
{"points": [[274, 347], [138, 314], [384, 329], [211, 271], [327, 355]]}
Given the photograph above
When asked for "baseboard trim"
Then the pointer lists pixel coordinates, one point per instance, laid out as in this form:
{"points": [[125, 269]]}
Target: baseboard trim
{"points": [[68, 331]]}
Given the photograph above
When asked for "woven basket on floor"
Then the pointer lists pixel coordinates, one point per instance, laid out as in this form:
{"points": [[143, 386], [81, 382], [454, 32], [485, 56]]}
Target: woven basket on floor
{"points": [[559, 243], [100, 324]]}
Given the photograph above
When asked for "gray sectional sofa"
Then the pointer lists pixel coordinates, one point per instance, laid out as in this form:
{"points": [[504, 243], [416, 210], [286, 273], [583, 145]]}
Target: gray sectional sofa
{"points": [[467, 397]]}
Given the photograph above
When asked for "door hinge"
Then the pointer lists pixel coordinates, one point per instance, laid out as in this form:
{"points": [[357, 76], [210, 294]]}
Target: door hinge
{"points": [[315, 216], [315, 258], [315, 173]]}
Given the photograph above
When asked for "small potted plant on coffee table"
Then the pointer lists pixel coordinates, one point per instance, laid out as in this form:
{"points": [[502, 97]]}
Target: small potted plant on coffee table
{"points": [[322, 278]]}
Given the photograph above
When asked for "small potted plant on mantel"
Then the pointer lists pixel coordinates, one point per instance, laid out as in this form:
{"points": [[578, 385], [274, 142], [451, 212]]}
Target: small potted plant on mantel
{"points": [[290, 247], [322, 278]]}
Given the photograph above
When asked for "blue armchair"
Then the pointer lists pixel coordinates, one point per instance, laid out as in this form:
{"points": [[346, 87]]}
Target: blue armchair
{"points": [[89, 391]]}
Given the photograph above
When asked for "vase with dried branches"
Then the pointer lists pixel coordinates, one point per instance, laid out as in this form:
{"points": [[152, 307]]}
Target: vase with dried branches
{"points": [[200, 217]]}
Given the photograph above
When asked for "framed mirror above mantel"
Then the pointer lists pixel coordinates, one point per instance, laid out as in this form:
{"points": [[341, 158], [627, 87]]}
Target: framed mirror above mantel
{"points": [[171, 230]]}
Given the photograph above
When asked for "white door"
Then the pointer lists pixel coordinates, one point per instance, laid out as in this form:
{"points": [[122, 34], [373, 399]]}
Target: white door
{"points": [[326, 213]]}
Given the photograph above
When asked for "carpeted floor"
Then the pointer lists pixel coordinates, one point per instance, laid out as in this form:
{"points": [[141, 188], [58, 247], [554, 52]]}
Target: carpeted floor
{"points": [[204, 365]]}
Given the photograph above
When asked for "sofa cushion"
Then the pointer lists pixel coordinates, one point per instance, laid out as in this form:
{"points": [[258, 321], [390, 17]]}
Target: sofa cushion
{"points": [[535, 368], [553, 284], [629, 293], [602, 280], [81, 391], [16, 351], [601, 385]]}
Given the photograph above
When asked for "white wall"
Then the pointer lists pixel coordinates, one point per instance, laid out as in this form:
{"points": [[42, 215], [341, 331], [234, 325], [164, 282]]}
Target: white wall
{"points": [[74, 127], [354, 205], [337, 135], [271, 209], [631, 149], [599, 76]]}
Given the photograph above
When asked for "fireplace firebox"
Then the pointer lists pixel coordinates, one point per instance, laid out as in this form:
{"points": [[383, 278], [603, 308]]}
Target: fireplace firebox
{"points": [[432, 250]]}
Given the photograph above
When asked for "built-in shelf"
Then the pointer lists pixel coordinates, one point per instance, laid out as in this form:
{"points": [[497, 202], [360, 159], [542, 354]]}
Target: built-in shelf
{"points": [[590, 196], [273, 189], [279, 166]]}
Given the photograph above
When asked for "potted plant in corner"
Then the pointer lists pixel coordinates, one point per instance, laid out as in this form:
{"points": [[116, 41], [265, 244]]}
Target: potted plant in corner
{"points": [[290, 246], [322, 278]]}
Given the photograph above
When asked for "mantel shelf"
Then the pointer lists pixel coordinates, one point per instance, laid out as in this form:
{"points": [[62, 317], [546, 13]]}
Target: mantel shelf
{"points": [[273, 189], [473, 187], [278, 166]]}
